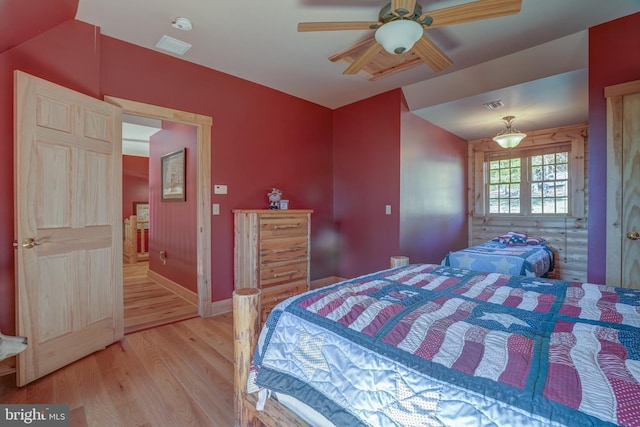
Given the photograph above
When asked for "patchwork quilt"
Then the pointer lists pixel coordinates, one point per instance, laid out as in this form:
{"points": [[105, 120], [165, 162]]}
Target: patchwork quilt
{"points": [[429, 345], [526, 260]]}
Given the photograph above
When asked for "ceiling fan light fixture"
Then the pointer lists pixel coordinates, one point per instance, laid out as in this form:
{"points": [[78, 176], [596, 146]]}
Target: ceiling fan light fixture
{"points": [[510, 137], [398, 37]]}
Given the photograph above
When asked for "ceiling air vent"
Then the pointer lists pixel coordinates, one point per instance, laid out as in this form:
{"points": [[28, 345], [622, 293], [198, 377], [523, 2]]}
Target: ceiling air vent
{"points": [[172, 45], [493, 105]]}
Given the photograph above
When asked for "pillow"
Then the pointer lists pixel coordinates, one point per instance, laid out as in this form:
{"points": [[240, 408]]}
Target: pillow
{"points": [[502, 239], [518, 235], [517, 240], [535, 240], [512, 238]]}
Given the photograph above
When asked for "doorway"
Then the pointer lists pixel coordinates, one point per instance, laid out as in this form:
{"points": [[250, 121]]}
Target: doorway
{"points": [[148, 304], [203, 186], [156, 293]]}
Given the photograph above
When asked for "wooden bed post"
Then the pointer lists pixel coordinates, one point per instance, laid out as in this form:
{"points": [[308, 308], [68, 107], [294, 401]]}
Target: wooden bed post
{"points": [[246, 326], [399, 261]]}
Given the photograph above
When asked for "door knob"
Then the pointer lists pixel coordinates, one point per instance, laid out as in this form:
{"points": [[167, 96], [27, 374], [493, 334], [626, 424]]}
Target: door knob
{"points": [[633, 235], [29, 243]]}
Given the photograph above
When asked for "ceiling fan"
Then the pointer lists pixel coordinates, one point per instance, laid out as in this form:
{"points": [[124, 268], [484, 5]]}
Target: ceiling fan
{"points": [[401, 24]]}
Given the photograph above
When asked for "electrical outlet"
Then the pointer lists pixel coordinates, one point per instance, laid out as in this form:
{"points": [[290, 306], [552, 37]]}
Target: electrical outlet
{"points": [[387, 209]]}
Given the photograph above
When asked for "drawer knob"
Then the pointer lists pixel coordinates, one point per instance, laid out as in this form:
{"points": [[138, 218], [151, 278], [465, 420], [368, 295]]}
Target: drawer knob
{"points": [[279, 251], [286, 273], [282, 227]]}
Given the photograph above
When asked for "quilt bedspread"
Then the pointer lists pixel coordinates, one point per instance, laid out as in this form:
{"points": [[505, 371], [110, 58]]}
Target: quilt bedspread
{"points": [[526, 260], [429, 345]]}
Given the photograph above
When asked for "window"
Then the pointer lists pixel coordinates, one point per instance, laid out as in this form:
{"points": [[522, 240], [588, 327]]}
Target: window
{"points": [[505, 178], [549, 183], [529, 182]]}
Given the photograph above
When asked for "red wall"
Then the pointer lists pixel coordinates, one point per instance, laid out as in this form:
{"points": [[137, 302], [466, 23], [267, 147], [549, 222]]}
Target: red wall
{"points": [[173, 225], [23, 20], [135, 183], [433, 191], [385, 155], [366, 152], [614, 57]]}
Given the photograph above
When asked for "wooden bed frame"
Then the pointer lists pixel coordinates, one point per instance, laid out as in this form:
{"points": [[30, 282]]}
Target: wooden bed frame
{"points": [[246, 329]]}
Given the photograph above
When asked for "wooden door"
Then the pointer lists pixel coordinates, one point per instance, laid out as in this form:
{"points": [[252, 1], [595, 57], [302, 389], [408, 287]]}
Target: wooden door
{"points": [[623, 185], [68, 172]]}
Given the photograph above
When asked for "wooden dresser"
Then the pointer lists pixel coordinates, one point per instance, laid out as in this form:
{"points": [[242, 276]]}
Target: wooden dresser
{"points": [[271, 252]]}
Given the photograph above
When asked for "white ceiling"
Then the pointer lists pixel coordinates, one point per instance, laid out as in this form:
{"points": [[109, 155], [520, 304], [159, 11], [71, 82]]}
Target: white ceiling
{"points": [[535, 61], [136, 133]]}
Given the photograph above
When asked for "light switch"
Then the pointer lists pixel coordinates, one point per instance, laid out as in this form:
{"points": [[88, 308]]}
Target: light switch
{"points": [[216, 209], [219, 189], [387, 209]]}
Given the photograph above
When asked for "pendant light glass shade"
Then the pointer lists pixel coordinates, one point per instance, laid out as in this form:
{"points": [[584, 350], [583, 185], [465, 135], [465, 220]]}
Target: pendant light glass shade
{"points": [[399, 36], [509, 137]]}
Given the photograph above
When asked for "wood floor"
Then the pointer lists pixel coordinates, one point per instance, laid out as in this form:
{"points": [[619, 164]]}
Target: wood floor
{"points": [[179, 374], [176, 375], [148, 304]]}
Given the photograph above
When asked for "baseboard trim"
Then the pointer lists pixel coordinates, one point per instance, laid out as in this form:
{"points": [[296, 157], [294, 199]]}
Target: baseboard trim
{"points": [[221, 307], [181, 291]]}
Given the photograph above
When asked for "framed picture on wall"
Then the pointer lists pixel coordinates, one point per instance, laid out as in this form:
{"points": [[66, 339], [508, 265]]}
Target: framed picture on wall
{"points": [[173, 176], [141, 210]]}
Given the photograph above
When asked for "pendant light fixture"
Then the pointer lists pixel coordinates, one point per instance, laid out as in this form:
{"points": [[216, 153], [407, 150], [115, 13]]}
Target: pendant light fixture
{"points": [[510, 137]]}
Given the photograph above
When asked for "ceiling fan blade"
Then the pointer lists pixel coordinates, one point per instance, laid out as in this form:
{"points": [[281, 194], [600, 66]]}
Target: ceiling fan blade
{"points": [[481, 9], [363, 59], [337, 26], [431, 54], [403, 7]]}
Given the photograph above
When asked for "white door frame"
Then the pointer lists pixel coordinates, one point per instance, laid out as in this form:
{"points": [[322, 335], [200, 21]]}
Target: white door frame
{"points": [[203, 193]]}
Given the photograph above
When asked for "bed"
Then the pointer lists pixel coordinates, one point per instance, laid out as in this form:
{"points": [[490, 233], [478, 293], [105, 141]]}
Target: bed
{"points": [[513, 253], [434, 345]]}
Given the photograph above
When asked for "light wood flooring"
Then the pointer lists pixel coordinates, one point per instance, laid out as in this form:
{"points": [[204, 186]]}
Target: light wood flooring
{"points": [[176, 375], [148, 304]]}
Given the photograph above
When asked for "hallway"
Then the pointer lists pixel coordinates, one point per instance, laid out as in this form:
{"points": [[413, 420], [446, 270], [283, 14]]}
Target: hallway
{"points": [[148, 304]]}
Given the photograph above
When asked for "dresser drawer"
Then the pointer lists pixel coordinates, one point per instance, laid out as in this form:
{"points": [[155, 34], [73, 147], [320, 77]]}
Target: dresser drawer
{"points": [[283, 249], [283, 273], [272, 296], [282, 226]]}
